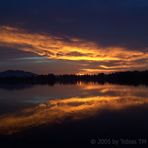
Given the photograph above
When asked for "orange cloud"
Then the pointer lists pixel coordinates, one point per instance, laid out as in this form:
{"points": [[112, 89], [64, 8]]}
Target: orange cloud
{"points": [[74, 49]]}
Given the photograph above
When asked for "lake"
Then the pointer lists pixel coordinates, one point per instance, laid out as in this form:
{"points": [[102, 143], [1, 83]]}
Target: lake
{"points": [[83, 114]]}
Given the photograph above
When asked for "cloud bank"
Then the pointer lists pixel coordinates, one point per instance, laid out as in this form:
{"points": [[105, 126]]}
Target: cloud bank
{"points": [[94, 57]]}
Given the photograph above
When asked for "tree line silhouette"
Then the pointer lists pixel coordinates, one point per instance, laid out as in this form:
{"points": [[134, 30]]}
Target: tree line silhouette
{"points": [[128, 77]]}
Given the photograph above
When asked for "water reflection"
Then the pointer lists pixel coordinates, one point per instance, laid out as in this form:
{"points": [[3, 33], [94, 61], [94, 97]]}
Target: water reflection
{"points": [[90, 101]]}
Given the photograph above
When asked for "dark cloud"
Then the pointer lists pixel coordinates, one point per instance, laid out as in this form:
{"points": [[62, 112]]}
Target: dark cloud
{"points": [[75, 54], [15, 59], [109, 23], [7, 54]]}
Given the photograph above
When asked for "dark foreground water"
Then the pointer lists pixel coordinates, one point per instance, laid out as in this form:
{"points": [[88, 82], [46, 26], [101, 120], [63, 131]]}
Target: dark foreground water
{"points": [[83, 114]]}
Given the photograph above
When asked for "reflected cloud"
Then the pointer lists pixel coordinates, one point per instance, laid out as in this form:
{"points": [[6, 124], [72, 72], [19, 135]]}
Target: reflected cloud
{"points": [[73, 49], [74, 108]]}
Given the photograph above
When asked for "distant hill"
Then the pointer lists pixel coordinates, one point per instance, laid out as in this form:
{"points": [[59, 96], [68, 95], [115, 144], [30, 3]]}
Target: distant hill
{"points": [[16, 73]]}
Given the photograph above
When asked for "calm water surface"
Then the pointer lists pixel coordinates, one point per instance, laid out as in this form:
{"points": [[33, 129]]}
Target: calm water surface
{"points": [[72, 114]]}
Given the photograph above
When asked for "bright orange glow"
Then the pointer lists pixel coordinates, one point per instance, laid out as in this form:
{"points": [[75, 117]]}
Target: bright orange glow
{"points": [[56, 110], [74, 49]]}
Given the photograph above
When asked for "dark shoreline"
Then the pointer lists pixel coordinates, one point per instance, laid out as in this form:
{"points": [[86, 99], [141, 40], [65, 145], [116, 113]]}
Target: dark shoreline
{"points": [[127, 78]]}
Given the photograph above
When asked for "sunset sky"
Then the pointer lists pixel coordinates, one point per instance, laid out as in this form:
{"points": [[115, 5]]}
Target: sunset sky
{"points": [[73, 36]]}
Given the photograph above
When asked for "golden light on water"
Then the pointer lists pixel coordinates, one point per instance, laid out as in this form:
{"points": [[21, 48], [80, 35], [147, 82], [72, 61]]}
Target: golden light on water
{"points": [[75, 108]]}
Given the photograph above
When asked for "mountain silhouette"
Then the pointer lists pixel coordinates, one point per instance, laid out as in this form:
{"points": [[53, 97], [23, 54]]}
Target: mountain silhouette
{"points": [[16, 73]]}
